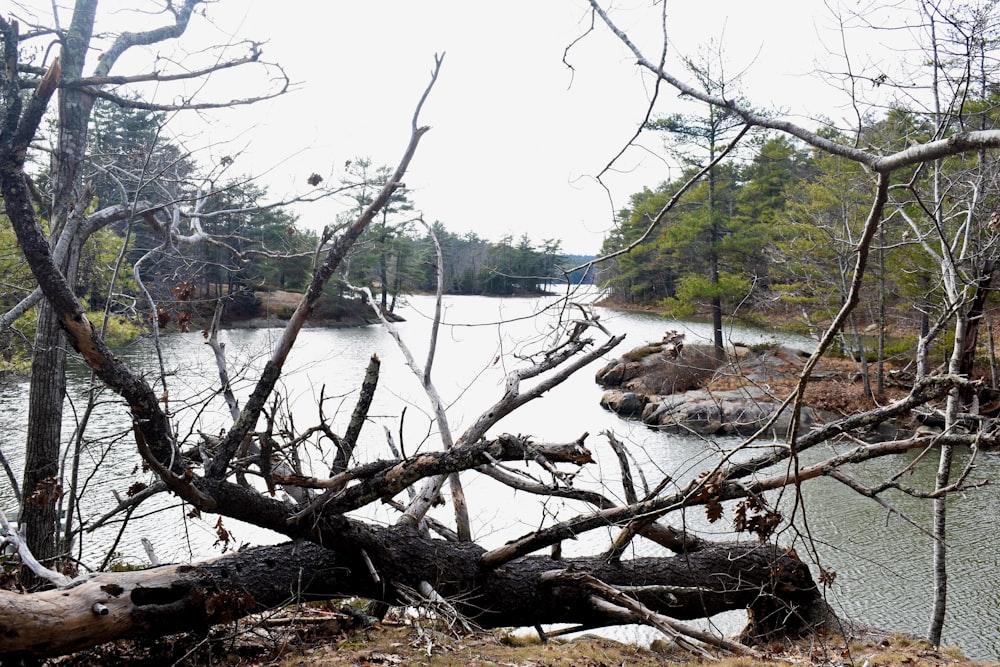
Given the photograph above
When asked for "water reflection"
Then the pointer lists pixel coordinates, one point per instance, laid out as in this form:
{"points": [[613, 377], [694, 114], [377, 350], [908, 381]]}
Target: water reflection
{"points": [[882, 562]]}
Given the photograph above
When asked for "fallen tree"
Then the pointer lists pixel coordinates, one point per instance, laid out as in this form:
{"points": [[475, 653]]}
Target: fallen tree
{"points": [[333, 554], [175, 598]]}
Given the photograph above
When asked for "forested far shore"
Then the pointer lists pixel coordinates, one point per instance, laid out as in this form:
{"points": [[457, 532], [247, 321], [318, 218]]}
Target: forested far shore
{"points": [[771, 232], [244, 244]]}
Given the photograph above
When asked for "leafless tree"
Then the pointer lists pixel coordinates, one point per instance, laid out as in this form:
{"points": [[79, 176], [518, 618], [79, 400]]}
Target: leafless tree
{"points": [[80, 80], [958, 48], [336, 554]]}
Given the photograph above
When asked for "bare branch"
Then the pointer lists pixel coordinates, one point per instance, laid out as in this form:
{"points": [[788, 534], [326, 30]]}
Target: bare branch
{"points": [[272, 370], [671, 627], [11, 535], [345, 446], [387, 478], [725, 477], [514, 398], [128, 40], [93, 81], [218, 350], [661, 215]]}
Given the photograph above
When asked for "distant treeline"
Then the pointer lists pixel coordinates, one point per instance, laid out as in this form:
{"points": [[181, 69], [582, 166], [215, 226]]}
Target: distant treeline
{"points": [[776, 230], [254, 245], [471, 264]]}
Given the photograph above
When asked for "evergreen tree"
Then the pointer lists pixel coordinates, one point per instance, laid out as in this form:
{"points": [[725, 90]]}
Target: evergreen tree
{"points": [[638, 276], [708, 133], [383, 255]]}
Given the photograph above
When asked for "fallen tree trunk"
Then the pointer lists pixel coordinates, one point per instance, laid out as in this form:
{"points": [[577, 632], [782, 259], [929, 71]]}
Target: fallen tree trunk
{"points": [[170, 599]]}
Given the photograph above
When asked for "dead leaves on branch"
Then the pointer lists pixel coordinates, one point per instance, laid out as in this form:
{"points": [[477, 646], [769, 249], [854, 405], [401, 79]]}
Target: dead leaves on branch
{"points": [[710, 494], [136, 488], [47, 491], [752, 514], [222, 536], [183, 291]]}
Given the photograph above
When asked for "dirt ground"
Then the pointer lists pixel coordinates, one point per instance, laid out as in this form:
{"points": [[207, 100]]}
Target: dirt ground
{"points": [[321, 637], [834, 386]]}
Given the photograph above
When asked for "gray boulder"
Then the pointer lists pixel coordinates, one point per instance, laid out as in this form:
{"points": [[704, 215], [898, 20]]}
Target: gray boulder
{"points": [[668, 389]]}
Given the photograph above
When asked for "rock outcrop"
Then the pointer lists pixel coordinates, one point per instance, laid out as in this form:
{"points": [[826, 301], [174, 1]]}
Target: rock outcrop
{"points": [[687, 389]]}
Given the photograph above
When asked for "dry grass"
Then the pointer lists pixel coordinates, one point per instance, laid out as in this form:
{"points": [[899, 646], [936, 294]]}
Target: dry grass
{"points": [[279, 303], [317, 635], [832, 388], [408, 645], [693, 370]]}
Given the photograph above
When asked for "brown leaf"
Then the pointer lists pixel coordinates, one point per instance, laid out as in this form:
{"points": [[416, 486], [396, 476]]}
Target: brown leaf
{"points": [[222, 536], [713, 510], [46, 492]]}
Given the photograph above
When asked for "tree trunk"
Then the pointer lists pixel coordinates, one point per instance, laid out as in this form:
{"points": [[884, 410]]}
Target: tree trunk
{"points": [[992, 350], [974, 317], [940, 551], [776, 587], [397, 282], [859, 346], [41, 485], [39, 515], [718, 343], [383, 277], [880, 373]]}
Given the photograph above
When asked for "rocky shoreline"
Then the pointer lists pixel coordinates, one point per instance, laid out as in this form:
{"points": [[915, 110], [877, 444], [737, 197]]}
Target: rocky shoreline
{"points": [[272, 322], [689, 390]]}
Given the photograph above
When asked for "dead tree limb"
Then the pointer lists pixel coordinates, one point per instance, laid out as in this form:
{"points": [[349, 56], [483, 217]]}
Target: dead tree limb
{"points": [[169, 599], [345, 445]]}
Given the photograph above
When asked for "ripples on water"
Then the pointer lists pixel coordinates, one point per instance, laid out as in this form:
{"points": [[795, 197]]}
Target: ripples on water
{"points": [[882, 563]]}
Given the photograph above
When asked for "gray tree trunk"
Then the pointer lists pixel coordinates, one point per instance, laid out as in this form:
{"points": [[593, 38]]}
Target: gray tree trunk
{"points": [[39, 513], [39, 516]]}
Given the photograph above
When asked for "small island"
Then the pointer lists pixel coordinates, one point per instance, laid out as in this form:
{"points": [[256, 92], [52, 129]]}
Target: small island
{"points": [[682, 388]]}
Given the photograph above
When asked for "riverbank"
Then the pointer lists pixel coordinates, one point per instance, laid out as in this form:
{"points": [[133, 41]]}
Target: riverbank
{"points": [[274, 309], [880, 559], [776, 321]]}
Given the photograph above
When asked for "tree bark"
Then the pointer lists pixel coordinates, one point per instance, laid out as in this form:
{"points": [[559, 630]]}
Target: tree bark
{"points": [[775, 586], [39, 515], [41, 455]]}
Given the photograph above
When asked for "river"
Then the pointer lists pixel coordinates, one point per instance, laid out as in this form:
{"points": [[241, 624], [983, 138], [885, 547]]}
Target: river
{"points": [[882, 562]]}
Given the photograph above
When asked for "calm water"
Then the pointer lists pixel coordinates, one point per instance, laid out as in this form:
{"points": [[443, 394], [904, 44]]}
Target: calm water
{"points": [[882, 562]]}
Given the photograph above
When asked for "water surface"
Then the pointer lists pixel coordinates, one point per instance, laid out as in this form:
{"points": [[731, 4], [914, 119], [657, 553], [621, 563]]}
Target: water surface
{"points": [[882, 561]]}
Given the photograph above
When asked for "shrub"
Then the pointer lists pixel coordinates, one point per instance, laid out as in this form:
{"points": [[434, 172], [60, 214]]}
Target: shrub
{"points": [[244, 304]]}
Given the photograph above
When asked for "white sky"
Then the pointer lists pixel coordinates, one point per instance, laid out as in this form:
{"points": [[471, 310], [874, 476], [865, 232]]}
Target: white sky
{"points": [[516, 136]]}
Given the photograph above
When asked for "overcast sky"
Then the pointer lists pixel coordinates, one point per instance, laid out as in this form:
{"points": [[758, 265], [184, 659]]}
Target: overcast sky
{"points": [[517, 137]]}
